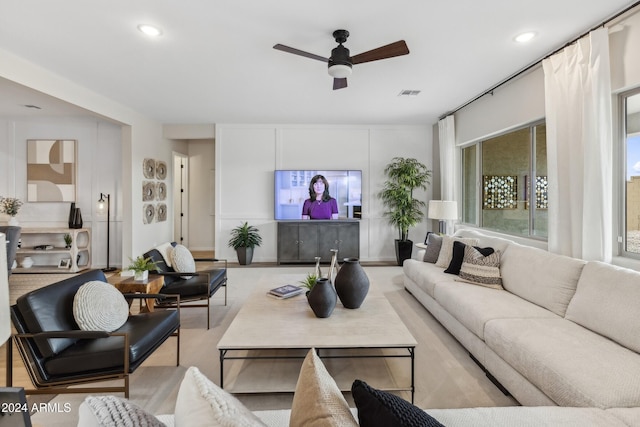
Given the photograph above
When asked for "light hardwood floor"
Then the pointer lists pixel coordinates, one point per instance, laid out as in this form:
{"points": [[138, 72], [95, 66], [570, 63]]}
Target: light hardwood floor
{"points": [[446, 377]]}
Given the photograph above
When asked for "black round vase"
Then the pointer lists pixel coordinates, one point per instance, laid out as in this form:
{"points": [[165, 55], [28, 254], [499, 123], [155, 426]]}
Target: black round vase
{"points": [[352, 283], [322, 298]]}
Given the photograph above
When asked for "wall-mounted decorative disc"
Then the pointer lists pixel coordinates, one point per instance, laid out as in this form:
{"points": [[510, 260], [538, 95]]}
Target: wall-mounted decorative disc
{"points": [[148, 191], [161, 191], [149, 212], [161, 212], [149, 168], [161, 169]]}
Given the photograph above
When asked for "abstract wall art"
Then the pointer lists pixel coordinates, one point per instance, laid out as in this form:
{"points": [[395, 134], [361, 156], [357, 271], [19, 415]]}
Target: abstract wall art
{"points": [[51, 170]]}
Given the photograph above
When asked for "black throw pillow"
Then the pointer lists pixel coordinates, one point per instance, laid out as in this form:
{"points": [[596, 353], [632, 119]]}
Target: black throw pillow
{"points": [[378, 408], [458, 256]]}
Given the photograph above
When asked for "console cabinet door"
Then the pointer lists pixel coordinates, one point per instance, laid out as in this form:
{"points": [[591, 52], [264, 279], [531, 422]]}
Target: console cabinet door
{"points": [[328, 238], [287, 242], [349, 240], [307, 242]]}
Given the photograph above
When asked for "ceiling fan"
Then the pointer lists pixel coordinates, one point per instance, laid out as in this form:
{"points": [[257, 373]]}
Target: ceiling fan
{"points": [[340, 62]]}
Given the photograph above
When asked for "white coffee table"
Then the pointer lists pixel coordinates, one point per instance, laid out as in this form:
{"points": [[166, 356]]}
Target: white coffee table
{"points": [[266, 323]]}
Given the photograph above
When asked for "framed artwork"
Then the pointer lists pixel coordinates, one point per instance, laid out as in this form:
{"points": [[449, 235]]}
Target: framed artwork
{"points": [[64, 263], [499, 192], [541, 192], [51, 170]]}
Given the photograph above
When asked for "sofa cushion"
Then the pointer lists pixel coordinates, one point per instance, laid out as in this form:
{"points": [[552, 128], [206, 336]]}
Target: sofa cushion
{"points": [[607, 301], [434, 243], [377, 408], [481, 268], [99, 306], [540, 277], [446, 251], [425, 275], [317, 400], [569, 363], [105, 411], [474, 306], [201, 403]]}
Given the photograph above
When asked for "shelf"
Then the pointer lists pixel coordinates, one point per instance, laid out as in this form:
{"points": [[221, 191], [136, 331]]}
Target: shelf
{"points": [[46, 261], [43, 269]]}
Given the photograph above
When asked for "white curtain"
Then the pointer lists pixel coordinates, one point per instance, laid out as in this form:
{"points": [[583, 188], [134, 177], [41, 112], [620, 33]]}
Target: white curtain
{"points": [[448, 175], [579, 148]]}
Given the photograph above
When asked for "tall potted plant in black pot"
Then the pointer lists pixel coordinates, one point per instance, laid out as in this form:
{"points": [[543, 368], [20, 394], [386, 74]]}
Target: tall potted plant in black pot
{"points": [[243, 239], [404, 175]]}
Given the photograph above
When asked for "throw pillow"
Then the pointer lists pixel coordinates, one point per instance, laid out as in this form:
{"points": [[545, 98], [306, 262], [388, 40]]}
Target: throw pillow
{"points": [[479, 269], [112, 411], [201, 403], [446, 251], [378, 408], [458, 256], [434, 243], [99, 306], [182, 260], [317, 400], [165, 250]]}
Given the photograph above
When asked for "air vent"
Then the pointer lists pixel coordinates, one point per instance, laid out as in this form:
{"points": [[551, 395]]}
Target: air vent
{"points": [[408, 92]]}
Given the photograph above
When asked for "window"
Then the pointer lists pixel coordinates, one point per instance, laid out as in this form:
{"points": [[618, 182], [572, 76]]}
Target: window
{"points": [[631, 180], [504, 182]]}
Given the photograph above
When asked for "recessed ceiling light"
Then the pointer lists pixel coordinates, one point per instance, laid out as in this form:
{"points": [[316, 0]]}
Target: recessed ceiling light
{"points": [[525, 37], [150, 30]]}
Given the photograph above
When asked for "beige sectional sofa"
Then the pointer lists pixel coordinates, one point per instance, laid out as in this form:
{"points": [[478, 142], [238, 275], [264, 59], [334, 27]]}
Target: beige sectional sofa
{"points": [[562, 332]]}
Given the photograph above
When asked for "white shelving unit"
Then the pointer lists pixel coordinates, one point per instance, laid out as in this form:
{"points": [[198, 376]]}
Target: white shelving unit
{"points": [[47, 261]]}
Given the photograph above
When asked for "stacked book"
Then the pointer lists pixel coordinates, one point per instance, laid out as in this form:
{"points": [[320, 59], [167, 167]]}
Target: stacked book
{"points": [[286, 291]]}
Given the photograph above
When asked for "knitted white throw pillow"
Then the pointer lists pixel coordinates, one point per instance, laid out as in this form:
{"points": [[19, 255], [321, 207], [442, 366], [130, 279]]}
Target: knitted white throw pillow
{"points": [[112, 411], [182, 260], [99, 306]]}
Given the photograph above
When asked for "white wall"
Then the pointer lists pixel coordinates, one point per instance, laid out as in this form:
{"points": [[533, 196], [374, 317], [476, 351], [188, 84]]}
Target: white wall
{"points": [[201, 191], [247, 155]]}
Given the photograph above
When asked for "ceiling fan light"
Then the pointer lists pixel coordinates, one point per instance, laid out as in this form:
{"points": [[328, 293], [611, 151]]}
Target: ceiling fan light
{"points": [[339, 71]]}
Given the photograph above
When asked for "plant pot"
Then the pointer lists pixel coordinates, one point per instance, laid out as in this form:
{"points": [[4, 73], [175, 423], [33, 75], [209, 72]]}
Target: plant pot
{"points": [[322, 298], [245, 255], [403, 250], [13, 222], [352, 283], [141, 275]]}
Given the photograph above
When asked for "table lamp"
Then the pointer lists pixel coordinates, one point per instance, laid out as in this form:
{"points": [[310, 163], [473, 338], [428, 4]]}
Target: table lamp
{"points": [[443, 210]]}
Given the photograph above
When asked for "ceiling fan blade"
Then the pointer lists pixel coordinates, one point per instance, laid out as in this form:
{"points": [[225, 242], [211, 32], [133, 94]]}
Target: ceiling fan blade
{"points": [[339, 83], [389, 51], [300, 52]]}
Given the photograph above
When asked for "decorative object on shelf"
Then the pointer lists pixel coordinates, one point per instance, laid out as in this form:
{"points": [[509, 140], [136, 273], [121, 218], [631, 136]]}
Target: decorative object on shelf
{"points": [[75, 217], [499, 192], [404, 175], [243, 239], [67, 241], [161, 191], [104, 206], [148, 191], [352, 283], [317, 272], [27, 262], [65, 263], [72, 212], [443, 210], [141, 267], [51, 170], [161, 169], [149, 168], [322, 298], [148, 213], [333, 268], [161, 212], [10, 206]]}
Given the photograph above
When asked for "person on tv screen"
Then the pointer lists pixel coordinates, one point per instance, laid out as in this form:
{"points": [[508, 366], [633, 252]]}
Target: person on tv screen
{"points": [[319, 205]]}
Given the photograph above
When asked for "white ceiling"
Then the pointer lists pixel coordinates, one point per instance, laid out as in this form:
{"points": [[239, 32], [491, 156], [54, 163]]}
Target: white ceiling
{"points": [[215, 62]]}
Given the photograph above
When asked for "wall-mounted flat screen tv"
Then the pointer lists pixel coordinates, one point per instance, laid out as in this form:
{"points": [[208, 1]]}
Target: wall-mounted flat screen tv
{"points": [[292, 189]]}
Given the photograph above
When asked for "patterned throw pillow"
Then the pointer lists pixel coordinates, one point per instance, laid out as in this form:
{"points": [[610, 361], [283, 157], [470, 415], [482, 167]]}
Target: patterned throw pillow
{"points": [[183, 261], [112, 411], [434, 242], [481, 270], [99, 306], [446, 251], [458, 256]]}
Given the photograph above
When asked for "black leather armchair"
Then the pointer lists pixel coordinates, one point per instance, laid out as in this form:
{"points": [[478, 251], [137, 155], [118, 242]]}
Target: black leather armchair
{"points": [[198, 286], [13, 236], [57, 354]]}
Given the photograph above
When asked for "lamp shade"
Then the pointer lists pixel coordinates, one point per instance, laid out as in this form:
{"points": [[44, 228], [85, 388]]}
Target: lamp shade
{"points": [[5, 320], [443, 209]]}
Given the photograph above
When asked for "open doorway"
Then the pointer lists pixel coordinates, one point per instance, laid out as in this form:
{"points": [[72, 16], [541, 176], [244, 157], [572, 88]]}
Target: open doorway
{"points": [[181, 199]]}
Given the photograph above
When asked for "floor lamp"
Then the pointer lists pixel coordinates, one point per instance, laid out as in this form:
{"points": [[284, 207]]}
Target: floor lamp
{"points": [[102, 204], [443, 210]]}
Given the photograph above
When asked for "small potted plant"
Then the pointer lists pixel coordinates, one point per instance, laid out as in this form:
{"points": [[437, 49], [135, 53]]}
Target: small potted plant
{"points": [[141, 266], [309, 282], [243, 239], [67, 240], [10, 206]]}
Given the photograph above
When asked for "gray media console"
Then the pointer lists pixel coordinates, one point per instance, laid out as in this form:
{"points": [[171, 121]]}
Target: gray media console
{"points": [[302, 241]]}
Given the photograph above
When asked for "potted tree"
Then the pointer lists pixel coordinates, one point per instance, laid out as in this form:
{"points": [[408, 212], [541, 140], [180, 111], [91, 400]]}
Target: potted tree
{"points": [[404, 175], [243, 239]]}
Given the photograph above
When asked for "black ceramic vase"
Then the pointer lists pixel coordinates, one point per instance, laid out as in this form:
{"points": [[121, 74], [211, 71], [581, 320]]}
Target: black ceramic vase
{"points": [[322, 298], [352, 283]]}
